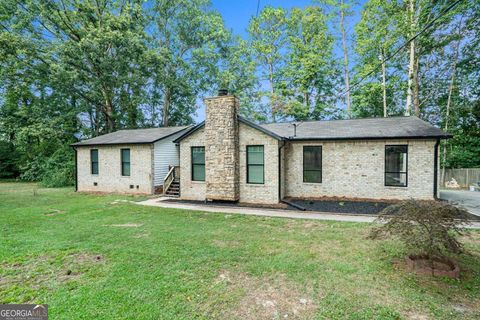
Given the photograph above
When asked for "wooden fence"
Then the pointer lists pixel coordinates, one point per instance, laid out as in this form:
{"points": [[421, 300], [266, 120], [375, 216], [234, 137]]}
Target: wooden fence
{"points": [[464, 177]]}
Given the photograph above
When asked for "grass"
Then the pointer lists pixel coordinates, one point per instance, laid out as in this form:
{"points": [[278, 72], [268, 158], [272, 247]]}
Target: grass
{"points": [[97, 256]]}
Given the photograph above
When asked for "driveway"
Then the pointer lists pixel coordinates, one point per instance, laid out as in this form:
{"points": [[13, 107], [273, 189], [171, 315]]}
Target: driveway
{"points": [[469, 200]]}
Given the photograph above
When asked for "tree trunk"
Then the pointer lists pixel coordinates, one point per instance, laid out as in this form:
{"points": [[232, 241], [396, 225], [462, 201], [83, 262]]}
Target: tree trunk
{"points": [[108, 111], [345, 59], [109, 115], [411, 64], [97, 120], [166, 106], [416, 87], [384, 85], [449, 102], [272, 93]]}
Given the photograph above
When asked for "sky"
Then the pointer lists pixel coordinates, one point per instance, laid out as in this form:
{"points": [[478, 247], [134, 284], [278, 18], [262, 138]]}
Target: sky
{"points": [[237, 14]]}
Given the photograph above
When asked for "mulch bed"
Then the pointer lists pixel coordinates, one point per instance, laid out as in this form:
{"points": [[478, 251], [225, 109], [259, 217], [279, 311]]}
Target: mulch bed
{"points": [[342, 206]]}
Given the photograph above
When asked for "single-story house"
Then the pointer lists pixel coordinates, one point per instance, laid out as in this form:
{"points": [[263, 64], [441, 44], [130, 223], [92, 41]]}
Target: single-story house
{"points": [[229, 158]]}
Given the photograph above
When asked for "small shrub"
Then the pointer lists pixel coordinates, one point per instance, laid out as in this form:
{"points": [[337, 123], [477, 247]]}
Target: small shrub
{"points": [[425, 227]]}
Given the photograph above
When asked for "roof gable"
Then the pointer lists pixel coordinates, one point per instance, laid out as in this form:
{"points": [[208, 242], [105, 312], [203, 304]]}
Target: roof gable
{"points": [[240, 119]]}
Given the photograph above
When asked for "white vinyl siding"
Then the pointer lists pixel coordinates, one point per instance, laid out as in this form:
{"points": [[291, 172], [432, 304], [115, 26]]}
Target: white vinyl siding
{"points": [[165, 153]]}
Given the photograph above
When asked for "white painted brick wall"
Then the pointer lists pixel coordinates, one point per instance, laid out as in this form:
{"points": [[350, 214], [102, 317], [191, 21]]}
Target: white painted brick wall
{"points": [[191, 190], [266, 193], [355, 169], [109, 178]]}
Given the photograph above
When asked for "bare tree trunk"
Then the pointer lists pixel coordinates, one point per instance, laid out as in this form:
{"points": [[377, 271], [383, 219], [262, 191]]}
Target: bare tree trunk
{"points": [[449, 102], [416, 87], [345, 58], [272, 93], [166, 106], [411, 65], [384, 85]]}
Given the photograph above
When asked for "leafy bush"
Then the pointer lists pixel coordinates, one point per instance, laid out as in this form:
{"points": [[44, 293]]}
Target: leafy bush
{"points": [[58, 170], [32, 170], [8, 160], [54, 171], [425, 227]]}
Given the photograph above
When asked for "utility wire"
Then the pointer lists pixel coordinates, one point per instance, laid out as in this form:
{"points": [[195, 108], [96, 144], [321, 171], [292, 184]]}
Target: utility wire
{"points": [[430, 24], [258, 6]]}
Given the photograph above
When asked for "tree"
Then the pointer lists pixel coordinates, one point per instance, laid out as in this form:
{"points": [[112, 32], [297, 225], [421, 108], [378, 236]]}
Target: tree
{"points": [[96, 48], [425, 227], [268, 40], [72, 69], [187, 36], [237, 75], [343, 10], [310, 70], [376, 34]]}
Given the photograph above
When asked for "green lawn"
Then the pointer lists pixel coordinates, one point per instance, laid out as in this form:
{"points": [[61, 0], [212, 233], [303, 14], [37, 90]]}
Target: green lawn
{"points": [[94, 257]]}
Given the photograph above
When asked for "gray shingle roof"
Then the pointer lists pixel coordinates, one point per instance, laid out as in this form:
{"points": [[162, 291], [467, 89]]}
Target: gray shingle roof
{"points": [[134, 136], [370, 128]]}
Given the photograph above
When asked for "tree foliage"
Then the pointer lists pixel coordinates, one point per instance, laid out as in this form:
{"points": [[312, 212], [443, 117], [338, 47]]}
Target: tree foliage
{"points": [[425, 227], [72, 69]]}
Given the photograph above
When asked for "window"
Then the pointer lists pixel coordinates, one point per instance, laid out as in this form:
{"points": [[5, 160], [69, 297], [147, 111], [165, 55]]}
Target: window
{"points": [[94, 161], [125, 153], [255, 165], [312, 164], [198, 163], [396, 166]]}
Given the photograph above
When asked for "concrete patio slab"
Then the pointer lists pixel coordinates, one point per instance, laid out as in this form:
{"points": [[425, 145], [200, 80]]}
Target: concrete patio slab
{"points": [[263, 212]]}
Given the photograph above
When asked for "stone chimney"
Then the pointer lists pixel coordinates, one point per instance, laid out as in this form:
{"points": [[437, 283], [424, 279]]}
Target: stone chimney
{"points": [[222, 167]]}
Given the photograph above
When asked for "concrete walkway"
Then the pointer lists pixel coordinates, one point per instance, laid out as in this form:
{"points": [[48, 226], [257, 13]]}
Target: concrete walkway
{"points": [[278, 213], [470, 200]]}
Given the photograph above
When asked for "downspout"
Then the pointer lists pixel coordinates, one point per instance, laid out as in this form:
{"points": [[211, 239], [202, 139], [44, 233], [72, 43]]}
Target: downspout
{"points": [[435, 170], [280, 171], [76, 169], [280, 181]]}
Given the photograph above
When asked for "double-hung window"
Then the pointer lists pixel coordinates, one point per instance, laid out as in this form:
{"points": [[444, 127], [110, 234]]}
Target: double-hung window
{"points": [[396, 165], [255, 165], [94, 161], [198, 163], [125, 155], [312, 164]]}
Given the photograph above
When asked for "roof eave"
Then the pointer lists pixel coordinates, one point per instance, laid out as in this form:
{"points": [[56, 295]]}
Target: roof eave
{"points": [[108, 144], [81, 143], [260, 128], [171, 134], [189, 132], [372, 138]]}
